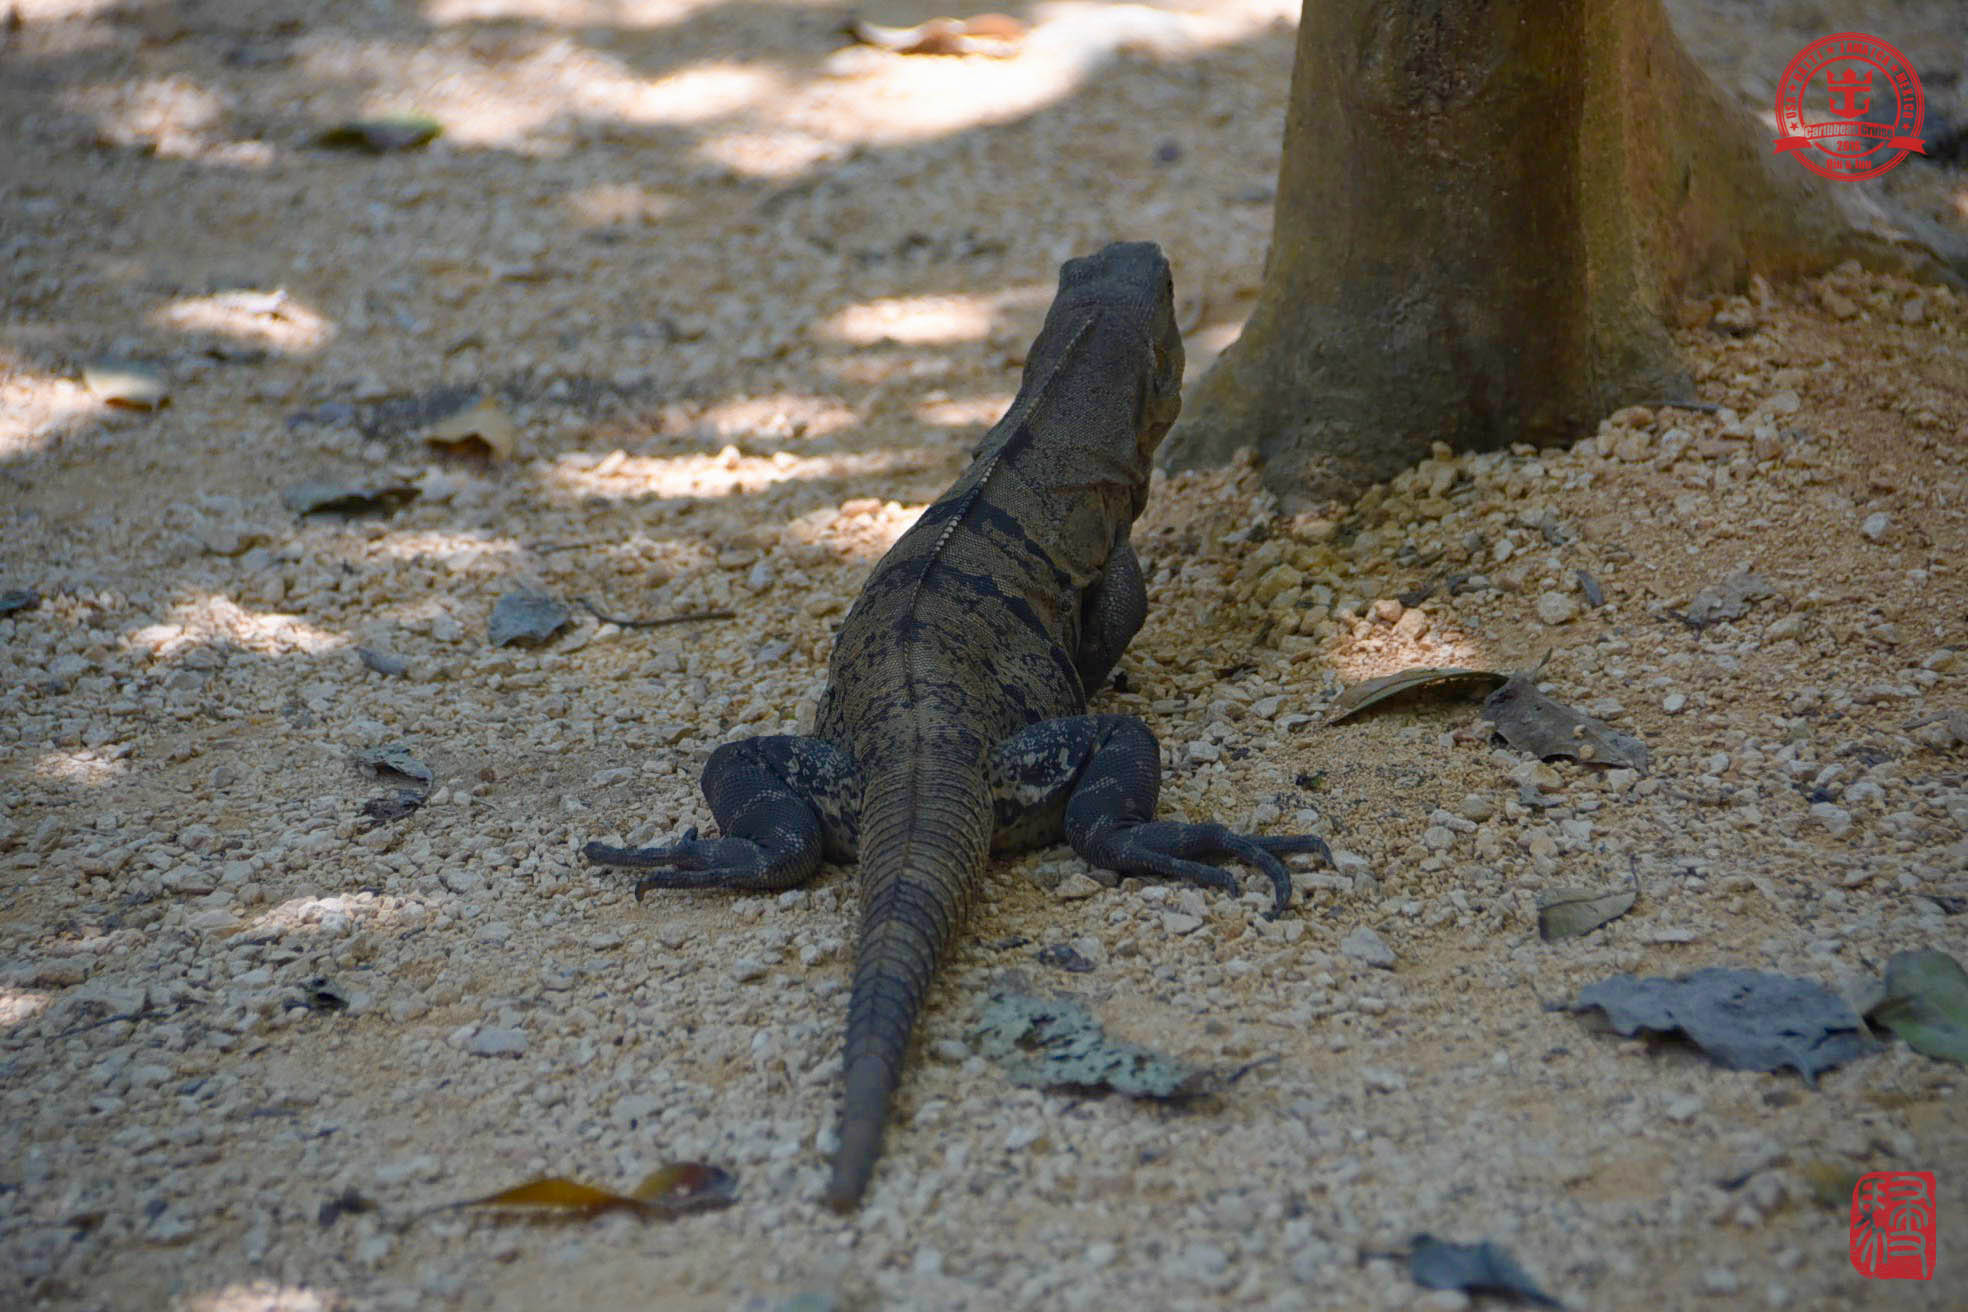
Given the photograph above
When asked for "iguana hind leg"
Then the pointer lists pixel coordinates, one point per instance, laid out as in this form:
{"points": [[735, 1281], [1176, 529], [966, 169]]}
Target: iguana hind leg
{"points": [[784, 804], [1094, 780]]}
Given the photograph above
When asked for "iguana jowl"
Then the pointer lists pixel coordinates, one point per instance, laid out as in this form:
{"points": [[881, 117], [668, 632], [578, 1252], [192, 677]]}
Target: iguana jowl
{"points": [[954, 719]]}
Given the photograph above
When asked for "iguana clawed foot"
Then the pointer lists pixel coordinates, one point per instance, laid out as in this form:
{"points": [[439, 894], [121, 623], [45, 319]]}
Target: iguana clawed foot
{"points": [[1168, 848], [1096, 780], [690, 862]]}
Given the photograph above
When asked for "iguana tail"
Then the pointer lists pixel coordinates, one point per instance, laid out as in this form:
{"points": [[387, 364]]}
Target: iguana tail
{"points": [[925, 833]]}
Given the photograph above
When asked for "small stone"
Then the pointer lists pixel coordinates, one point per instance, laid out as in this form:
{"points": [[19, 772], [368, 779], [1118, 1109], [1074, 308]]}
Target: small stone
{"points": [[1682, 1110], [1785, 402], [1674, 703], [1736, 317], [1836, 303], [1914, 311], [1836, 819], [1556, 607], [1202, 750], [746, 969], [1380, 1080], [1476, 807], [1076, 887], [1721, 1280], [1368, 948], [496, 1041], [1442, 1300], [1876, 524], [1634, 447], [1180, 922]]}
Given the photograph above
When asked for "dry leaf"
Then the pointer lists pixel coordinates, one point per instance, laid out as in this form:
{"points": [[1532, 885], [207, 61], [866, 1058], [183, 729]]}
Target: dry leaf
{"points": [[1728, 600], [1926, 1004], [1360, 696], [1569, 912], [996, 35], [483, 429], [379, 136], [321, 496], [126, 384], [667, 1191], [1532, 722]]}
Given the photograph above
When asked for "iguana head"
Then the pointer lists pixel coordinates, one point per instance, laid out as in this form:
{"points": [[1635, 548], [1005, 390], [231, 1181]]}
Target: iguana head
{"points": [[1112, 331], [1130, 281]]}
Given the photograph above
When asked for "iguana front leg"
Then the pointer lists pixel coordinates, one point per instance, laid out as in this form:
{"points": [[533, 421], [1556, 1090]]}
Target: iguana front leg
{"points": [[1111, 613], [784, 804], [1095, 779]]}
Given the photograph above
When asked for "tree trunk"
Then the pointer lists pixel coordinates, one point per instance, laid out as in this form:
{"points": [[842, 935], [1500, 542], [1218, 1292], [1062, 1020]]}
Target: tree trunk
{"points": [[1485, 212]]}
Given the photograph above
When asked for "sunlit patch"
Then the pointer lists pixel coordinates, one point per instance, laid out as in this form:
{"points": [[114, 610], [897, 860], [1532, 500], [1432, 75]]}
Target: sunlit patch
{"points": [[1355, 661], [969, 412], [694, 95], [332, 915], [35, 406], [610, 203], [623, 14], [212, 619], [174, 117], [262, 1296], [17, 1005], [620, 476], [783, 416], [458, 553], [273, 318], [768, 152], [88, 766], [914, 320]]}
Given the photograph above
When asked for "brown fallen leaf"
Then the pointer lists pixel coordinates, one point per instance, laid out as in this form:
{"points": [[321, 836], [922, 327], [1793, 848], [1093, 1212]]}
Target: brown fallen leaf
{"points": [[1532, 722], [1352, 700], [668, 1191], [126, 384], [996, 35], [482, 429]]}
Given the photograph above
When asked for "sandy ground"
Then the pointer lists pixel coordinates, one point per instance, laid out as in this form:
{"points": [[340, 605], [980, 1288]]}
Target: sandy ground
{"points": [[747, 302]]}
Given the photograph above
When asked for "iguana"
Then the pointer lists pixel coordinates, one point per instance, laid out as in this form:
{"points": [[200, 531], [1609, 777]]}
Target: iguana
{"points": [[953, 723]]}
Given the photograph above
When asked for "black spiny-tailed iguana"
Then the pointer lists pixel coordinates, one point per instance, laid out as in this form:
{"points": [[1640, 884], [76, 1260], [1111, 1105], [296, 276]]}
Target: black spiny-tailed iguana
{"points": [[954, 719]]}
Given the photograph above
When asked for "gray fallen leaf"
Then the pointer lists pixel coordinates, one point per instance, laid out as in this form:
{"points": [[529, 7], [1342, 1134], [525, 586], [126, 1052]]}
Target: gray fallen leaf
{"points": [[1728, 600], [1055, 1042], [1747, 1020], [1532, 722], [1926, 1004], [1360, 696], [381, 135], [1569, 912], [127, 384], [1064, 956], [394, 805], [527, 618], [323, 496], [1481, 1268], [394, 759]]}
